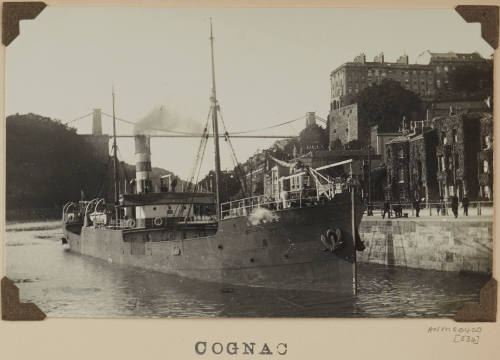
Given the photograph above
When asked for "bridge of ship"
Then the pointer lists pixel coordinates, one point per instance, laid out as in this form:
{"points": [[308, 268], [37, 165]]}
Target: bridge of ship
{"points": [[293, 191]]}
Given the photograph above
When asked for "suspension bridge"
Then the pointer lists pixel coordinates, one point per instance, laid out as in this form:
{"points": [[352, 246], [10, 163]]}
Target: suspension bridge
{"points": [[170, 133]]}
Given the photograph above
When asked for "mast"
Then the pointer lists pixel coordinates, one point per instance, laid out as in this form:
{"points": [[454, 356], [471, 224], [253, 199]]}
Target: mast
{"points": [[115, 159], [215, 125]]}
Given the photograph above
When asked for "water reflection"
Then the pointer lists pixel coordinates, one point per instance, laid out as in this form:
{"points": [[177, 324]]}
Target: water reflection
{"points": [[71, 285]]}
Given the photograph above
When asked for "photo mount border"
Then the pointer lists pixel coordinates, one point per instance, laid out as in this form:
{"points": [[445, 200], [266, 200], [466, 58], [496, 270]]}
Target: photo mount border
{"points": [[13, 12], [487, 16], [13, 308]]}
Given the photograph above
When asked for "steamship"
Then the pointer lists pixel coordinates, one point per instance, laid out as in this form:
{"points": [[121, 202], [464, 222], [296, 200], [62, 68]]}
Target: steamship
{"points": [[303, 238]]}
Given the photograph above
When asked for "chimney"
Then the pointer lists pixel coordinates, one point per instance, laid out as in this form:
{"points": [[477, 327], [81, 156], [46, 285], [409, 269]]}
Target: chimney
{"points": [[96, 122], [310, 118], [361, 58], [143, 164], [379, 58], [403, 59]]}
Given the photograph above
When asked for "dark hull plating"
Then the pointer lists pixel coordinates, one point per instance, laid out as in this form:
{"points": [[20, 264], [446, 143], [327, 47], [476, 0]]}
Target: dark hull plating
{"points": [[285, 254]]}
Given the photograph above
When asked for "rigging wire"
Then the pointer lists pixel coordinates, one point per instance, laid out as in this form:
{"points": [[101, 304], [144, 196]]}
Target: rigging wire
{"points": [[122, 166], [237, 168], [76, 119], [197, 162]]}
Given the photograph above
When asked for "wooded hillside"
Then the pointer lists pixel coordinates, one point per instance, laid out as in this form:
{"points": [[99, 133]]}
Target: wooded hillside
{"points": [[48, 164]]}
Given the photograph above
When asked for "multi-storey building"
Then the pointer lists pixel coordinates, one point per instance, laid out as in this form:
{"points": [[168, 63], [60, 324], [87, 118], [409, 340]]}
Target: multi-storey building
{"points": [[422, 164], [428, 77], [398, 175], [351, 77], [449, 156], [379, 139], [457, 152], [412, 165], [344, 125], [444, 63], [485, 158]]}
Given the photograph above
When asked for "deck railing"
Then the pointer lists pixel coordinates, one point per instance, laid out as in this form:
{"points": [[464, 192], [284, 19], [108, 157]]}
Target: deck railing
{"points": [[244, 207]]}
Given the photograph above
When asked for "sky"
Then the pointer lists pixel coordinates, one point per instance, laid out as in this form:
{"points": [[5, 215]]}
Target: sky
{"points": [[272, 65]]}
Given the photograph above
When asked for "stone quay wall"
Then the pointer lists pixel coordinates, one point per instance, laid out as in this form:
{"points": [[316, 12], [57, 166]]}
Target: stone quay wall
{"points": [[451, 245]]}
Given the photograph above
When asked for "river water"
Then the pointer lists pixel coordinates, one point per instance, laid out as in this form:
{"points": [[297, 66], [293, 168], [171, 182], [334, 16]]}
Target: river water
{"points": [[64, 284]]}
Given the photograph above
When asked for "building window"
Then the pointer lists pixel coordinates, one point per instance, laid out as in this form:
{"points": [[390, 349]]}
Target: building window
{"points": [[401, 154], [487, 193], [485, 166], [438, 83], [487, 142], [455, 136], [443, 165], [401, 175]]}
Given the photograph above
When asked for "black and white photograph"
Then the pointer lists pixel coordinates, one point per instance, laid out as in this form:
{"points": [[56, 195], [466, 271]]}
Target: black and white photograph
{"points": [[249, 163]]}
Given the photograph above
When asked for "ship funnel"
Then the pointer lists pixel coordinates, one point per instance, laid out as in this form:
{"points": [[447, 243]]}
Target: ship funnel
{"points": [[143, 164]]}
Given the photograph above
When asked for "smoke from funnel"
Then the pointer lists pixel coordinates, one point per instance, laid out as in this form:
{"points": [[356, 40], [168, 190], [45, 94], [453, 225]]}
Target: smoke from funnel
{"points": [[160, 119]]}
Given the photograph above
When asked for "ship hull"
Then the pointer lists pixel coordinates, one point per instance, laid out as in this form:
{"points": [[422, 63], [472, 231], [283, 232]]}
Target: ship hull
{"points": [[286, 253]]}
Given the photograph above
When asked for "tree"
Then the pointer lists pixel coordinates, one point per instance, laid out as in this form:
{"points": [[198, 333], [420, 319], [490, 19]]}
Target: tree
{"points": [[336, 144], [49, 164], [386, 104], [354, 145], [472, 82], [313, 137]]}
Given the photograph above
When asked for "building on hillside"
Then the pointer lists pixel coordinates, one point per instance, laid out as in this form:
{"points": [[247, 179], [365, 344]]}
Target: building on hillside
{"points": [[444, 63], [397, 165], [449, 156], [350, 78], [271, 180], [457, 152], [412, 164], [378, 141], [428, 77], [444, 108], [254, 170], [422, 164], [344, 126]]}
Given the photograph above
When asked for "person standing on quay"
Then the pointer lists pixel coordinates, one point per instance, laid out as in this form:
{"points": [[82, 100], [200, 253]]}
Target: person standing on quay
{"points": [[454, 205], [416, 205], [387, 209], [465, 205]]}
